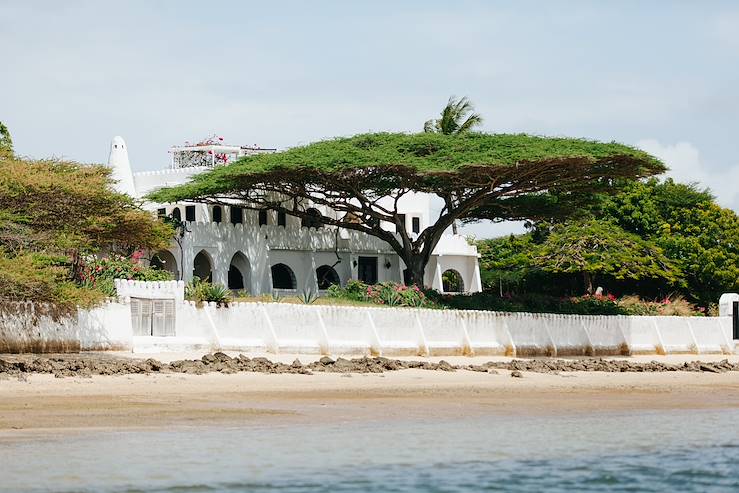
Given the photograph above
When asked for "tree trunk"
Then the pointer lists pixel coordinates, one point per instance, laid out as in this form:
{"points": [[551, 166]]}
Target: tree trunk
{"points": [[588, 280], [415, 270]]}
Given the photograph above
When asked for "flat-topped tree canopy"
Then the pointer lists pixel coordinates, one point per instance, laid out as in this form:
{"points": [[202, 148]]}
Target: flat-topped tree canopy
{"points": [[468, 171]]}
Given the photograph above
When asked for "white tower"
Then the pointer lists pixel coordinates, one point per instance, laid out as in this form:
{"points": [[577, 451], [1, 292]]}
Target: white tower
{"points": [[118, 160]]}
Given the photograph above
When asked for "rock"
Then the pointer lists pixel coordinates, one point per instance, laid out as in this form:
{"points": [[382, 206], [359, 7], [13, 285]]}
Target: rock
{"points": [[709, 368], [343, 365], [516, 374], [326, 361], [444, 366], [297, 363], [222, 357], [492, 371], [208, 359]]}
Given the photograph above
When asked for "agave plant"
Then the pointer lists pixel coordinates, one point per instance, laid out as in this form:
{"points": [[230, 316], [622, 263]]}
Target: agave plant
{"points": [[308, 297], [202, 291]]}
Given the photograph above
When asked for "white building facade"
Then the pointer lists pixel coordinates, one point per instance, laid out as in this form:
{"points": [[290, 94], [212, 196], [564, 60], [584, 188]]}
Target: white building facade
{"points": [[266, 252]]}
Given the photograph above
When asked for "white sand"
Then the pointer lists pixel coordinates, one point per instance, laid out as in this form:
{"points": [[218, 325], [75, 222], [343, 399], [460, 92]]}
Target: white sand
{"points": [[42, 401]]}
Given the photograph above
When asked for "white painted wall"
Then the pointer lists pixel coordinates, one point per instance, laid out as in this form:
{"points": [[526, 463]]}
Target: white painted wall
{"points": [[320, 329]]}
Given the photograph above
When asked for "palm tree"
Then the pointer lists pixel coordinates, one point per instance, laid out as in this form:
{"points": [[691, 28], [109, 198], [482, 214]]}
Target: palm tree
{"points": [[454, 118]]}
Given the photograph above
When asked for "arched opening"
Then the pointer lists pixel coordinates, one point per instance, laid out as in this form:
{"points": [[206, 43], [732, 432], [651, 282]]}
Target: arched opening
{"points": [[217, 214], [164, 260], [326, 276], [177, 214], [283, 277], [239, 272], [202, 267], [452, 282], [313, 221]]}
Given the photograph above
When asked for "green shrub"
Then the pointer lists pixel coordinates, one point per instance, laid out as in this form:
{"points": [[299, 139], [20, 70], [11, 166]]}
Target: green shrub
{"points": [[203, 291], [581, 305], [384, 293]]}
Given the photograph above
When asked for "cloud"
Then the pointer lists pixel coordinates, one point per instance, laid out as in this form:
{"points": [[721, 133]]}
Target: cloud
{"points": [[688, 166]]}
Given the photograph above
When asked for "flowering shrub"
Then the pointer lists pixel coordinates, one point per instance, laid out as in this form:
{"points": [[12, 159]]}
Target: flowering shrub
{"points": [[384, 293], [579, 305], [99, 273]]}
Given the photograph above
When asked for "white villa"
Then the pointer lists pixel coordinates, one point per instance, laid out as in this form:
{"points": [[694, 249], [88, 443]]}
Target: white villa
{"points": [[264, 252]]}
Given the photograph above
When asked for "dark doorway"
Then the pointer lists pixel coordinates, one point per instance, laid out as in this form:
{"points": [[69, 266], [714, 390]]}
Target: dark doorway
{"points": [[367, 270], [202, 267], [283, 277], [326, 276]]}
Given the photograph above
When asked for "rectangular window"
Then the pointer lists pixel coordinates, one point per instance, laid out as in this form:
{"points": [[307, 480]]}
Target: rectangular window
{"points": [[263, 217], [402, 222], [190, 213], [237, 215], [416, 225], [367, 270], [281, 218], [217, 214], [161, 213]]}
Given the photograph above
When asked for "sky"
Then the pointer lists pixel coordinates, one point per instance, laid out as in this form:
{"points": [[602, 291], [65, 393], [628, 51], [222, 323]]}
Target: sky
{"points": [[660, 75]]}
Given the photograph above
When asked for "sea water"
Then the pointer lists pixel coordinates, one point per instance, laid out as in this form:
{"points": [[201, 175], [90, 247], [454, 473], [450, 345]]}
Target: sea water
{"points": [[634, 451]]}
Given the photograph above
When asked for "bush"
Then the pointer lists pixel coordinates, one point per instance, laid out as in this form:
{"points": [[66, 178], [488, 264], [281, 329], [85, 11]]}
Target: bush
{"points": [[203, 291], [42, 278], [582, 305], [384, 293]]}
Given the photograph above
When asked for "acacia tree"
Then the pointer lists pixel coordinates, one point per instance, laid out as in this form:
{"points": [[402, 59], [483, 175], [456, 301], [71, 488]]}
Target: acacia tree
{"points": [[598, 248], [361, 179]]}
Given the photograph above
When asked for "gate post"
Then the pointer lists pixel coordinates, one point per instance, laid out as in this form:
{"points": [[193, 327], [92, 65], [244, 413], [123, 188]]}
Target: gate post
{"points": [[735, 319]]}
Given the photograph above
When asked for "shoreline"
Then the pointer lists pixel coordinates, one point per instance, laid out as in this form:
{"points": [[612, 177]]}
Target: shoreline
{"points": [[34, 403]]}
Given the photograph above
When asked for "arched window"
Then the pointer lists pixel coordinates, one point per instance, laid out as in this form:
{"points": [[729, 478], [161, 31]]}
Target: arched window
{"points": [[177, 214], [452, 282], [283, 277], [239, 272], [326, 276], [202, 267], [217, 214], [313, 221], [164, 260]]}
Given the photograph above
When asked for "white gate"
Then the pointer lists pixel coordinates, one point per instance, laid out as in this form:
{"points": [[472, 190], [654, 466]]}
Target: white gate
{"points": [[152, 317]]}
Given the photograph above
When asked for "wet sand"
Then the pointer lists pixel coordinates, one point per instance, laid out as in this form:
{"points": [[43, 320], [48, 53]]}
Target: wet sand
{"points": [[40, 402]]}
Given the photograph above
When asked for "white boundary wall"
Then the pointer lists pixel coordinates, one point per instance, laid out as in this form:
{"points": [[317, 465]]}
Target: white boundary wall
{"points": [[320, 329], [150, 289]]}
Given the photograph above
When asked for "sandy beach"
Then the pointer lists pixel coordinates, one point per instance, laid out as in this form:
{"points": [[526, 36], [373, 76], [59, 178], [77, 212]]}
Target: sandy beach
{"points": [[38, 402]]}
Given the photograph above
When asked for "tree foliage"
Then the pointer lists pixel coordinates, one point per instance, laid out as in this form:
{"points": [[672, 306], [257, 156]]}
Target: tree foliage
{"points": [[699, 236], [55, 213], [6, 143], [593, 248], [458, 116], [353, 176]]}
